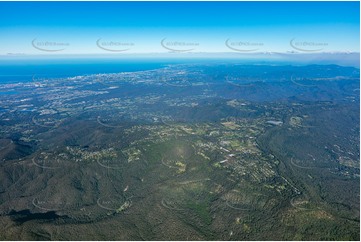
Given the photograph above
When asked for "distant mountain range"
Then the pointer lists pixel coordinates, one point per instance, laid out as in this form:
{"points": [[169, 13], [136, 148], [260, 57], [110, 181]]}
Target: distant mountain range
{"points": [[290, 57]]}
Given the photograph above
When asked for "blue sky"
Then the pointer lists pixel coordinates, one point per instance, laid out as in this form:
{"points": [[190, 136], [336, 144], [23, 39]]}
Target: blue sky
{"points": [[34, 28]]}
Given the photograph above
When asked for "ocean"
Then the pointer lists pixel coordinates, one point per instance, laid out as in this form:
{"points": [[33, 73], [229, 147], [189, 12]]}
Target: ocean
{"points": [[12, 71]]}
